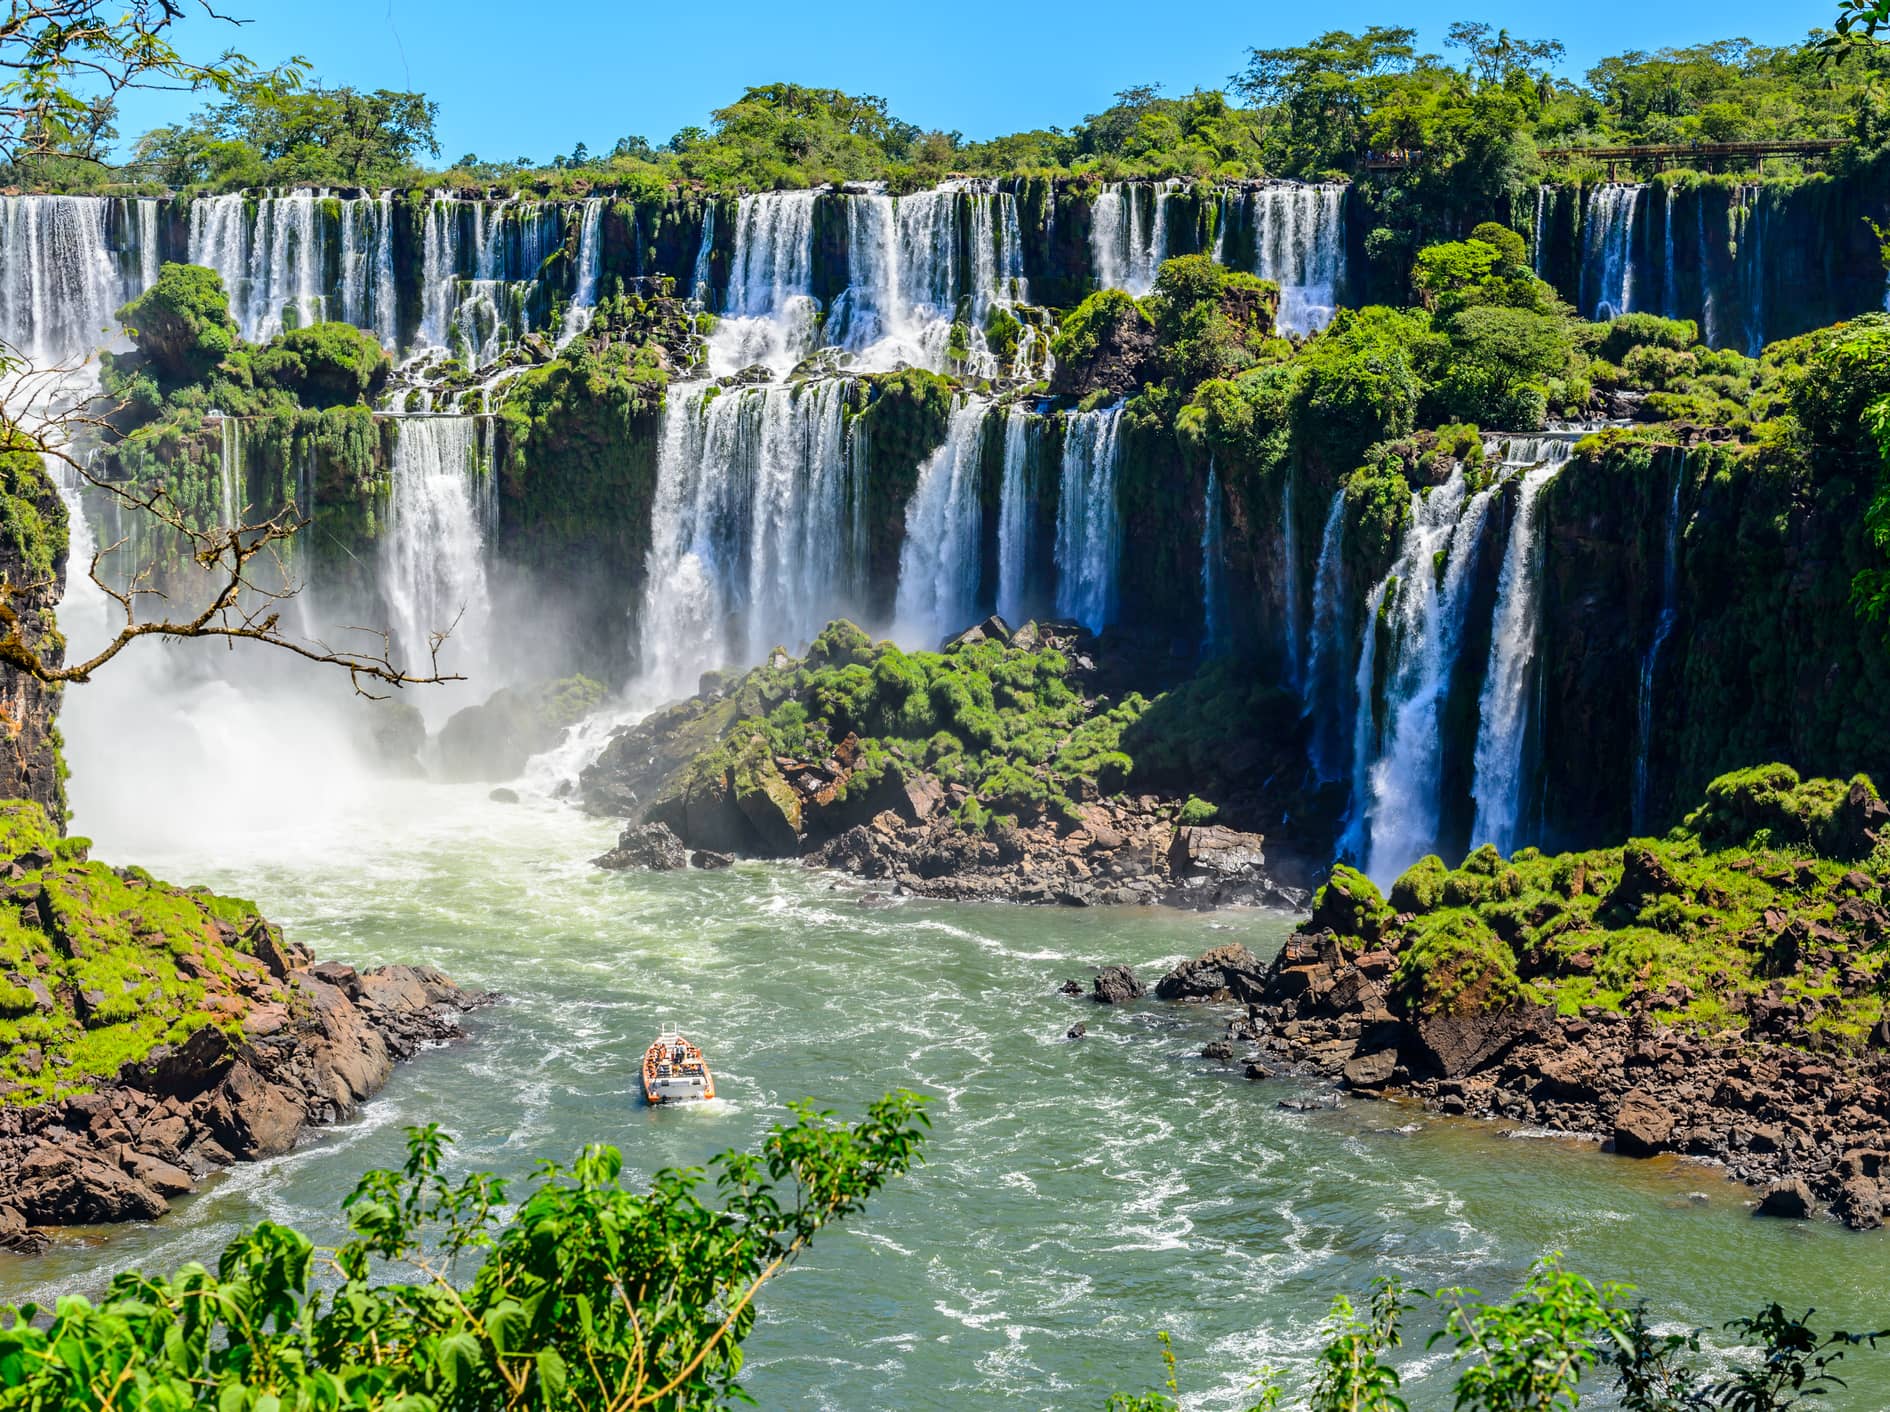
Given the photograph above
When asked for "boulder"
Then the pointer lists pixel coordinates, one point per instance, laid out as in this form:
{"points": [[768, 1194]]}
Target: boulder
{"points": [[1222, 854], [1370, 1071], [708, 860], [1790, 1199], [1219, 1050], [1225, 973], [56, 1186], [992, 629], [252, 1117], [1642, 1126], [503, 795], [1076, 1031], [492, 741], [1860, 1204], [770, 805], [653, 847], [157, 1174], [1457, 1044], [1116, 985]]}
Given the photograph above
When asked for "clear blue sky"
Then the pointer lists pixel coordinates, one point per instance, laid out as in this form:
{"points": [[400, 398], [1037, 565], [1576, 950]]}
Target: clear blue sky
{"points": [[529, 78]]}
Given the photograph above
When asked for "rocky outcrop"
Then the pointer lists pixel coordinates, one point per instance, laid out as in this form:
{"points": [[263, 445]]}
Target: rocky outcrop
{"points": [[651, 847], [493, 740], [1810, 1130], [124, 1150]]}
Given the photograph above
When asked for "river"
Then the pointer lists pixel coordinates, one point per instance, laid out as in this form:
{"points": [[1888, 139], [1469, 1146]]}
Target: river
{"points": [[1076, 1197]]}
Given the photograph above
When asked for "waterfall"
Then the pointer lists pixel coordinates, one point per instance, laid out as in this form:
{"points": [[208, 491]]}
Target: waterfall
{"points": [[231, 496], [1126, 246], [1213, 590], [577, 317], [1608, 256], [702, 280], [1669, 284], [754, 536], [59, 282], [1325, 679], [909, 280], [1017, 503], [1087, 531], [1424, 621], [1503, 709], [1750, 257], [270, 252], [769, 311], [1540, 252], [480, 264], [1709, 306], [439, 515], [1650, 660], [938, 563], [368, 300], [1299, 244]]}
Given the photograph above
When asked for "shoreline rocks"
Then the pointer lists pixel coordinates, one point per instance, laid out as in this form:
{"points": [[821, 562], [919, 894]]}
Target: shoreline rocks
{"points": [[124, 1150], [1809, 1132]]}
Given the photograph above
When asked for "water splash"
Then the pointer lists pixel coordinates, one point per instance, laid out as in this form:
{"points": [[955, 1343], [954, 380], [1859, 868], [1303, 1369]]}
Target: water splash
{"points": [[440, 512]]}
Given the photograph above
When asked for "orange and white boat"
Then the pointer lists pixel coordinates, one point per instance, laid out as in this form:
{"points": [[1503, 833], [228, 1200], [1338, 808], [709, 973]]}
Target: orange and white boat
{"points": [[674, 1070]]}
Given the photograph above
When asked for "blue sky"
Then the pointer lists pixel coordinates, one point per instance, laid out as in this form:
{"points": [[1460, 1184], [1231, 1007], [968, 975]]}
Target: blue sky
{"points": [[529, 78]]}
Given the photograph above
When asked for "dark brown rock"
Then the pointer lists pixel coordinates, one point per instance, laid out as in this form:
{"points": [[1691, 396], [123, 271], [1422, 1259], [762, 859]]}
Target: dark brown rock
{"points": [[1370, 1071], [1790, 1199], [1642, 1125], [1116, 985], [652, 847], [1225, 973]]}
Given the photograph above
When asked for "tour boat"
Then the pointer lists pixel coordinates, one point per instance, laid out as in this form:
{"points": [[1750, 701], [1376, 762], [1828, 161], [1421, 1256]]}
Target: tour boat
{"points": [[674, 1070]]}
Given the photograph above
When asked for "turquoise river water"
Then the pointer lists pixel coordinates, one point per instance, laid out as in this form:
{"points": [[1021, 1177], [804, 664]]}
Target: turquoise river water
{"points": [[1076, 1197]]}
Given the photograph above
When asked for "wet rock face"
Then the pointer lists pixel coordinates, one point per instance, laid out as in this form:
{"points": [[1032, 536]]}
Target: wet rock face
{"points": [[1116, 985], [123, 1152], [653, 847]]}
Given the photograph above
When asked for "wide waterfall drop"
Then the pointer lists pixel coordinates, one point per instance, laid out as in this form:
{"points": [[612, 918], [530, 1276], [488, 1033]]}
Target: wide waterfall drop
{"points": [[368, 299], [59, 282], [769, 313], [1325, 673], [1213, 569], [938, 563], [272, 254], [753, 538], [1663, 629], [1424, 626], [1503, 708], [590, 260], [1088, 534], [433, 572], [1299, 243], [1017, 506], [1607, 253], [1127, 245]]}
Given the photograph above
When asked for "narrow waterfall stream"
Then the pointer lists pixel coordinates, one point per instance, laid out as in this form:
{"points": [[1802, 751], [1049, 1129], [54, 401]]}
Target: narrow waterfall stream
{"points": [[1326, 679], [1663, 629], [1088, 531], [938, 567], [1508, 681], [1017, 504]]}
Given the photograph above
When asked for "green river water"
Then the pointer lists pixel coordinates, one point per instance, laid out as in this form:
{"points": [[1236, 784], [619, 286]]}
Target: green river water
{"points": [[1076, 1197]]}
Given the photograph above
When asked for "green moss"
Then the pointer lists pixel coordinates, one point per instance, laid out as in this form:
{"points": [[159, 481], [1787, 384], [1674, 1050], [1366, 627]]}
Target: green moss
{"points": [[98, 966]]}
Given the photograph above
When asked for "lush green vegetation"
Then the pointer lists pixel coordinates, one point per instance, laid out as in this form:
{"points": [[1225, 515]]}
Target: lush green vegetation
{"points": [[1559, 1338], [580, 1295], [1474, 118], [1764, 888], [109, 962]]}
